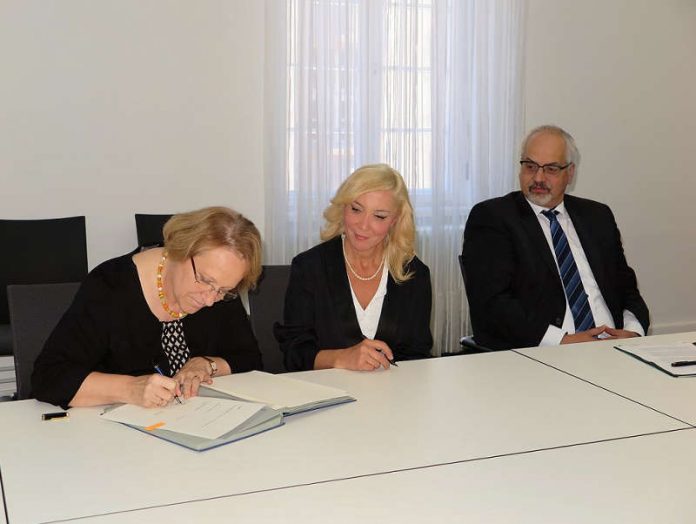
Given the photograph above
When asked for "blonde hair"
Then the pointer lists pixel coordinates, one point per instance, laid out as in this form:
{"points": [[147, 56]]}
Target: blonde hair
{"points": [[399, 243], [188, 234]]}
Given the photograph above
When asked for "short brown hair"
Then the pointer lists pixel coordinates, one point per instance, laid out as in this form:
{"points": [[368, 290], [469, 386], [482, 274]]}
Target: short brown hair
{"points": [[188, 234]]}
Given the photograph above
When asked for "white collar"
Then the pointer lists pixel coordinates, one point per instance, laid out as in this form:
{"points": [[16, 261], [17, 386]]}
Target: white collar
{"points": [[539, 209]]}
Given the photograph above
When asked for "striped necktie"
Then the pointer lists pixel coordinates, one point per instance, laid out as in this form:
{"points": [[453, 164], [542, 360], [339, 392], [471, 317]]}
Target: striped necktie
{"points": [[574, 290]]}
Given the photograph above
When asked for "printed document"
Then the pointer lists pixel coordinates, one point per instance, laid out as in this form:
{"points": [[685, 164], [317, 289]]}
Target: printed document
{"points": [[664, 357], [205, 417], [286, 394]]}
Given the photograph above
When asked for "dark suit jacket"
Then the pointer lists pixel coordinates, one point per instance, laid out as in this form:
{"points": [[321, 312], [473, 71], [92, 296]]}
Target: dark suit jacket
{"points": [[511, 276], [319, 312]]}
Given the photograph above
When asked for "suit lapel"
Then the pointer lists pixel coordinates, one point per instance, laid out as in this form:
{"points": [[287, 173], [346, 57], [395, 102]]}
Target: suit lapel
{"points": [[530, 224], [389, 317], [339, 291]]}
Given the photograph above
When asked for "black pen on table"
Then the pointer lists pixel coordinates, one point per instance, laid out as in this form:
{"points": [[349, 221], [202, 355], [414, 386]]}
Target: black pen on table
{"points": [[682, 363], [159, 370]]}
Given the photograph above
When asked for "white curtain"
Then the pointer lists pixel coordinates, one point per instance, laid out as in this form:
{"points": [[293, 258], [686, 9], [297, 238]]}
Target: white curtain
{"points": [[431, 87]]}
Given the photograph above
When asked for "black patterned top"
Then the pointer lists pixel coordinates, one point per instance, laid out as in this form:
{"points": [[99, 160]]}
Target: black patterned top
{"points": [[174, 345]]}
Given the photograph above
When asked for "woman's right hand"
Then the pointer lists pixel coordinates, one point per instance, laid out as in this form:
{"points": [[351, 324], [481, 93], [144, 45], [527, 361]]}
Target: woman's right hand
{"points": [[366, 355], [153, 391]]}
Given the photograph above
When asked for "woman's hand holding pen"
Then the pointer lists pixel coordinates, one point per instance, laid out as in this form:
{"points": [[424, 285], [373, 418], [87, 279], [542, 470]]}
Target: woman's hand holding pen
{"points": [[194, 373], [152, 391], [366, 355]]}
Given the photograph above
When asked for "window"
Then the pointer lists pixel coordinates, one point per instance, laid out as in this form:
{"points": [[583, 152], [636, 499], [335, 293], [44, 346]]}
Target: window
{"points": [[431, 87]]}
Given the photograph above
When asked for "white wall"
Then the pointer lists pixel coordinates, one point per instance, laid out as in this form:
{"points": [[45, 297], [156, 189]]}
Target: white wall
{"points": [[120, 106], [620, 75]]}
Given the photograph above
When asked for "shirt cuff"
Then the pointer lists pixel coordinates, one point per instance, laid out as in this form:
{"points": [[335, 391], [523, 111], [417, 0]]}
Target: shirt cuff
{"points": [[553, 336], [630, 323]]}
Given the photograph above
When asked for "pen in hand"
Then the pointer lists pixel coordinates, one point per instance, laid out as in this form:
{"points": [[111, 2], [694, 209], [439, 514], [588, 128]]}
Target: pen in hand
{"points": [[159, 370], [390, 360]]}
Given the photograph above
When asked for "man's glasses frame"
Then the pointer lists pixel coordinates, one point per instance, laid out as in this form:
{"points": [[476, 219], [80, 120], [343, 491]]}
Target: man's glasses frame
{"points": [[532, 168]]}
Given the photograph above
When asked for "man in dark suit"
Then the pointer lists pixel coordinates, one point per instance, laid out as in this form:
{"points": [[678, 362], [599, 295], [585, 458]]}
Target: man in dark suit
{"points": [[546, 268]]}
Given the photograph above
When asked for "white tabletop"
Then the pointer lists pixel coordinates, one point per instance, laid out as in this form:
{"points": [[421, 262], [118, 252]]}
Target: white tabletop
{"points": [[638, 480], [601, 364], [420, 414]]}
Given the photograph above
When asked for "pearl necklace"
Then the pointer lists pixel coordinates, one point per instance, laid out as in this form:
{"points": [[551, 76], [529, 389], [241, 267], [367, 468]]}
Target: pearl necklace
{"points": [[160, 290], [355, 273]]}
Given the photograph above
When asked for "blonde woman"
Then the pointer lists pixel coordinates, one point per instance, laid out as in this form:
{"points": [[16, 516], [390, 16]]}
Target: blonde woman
{"points": [[149, 326], [360, 300]]}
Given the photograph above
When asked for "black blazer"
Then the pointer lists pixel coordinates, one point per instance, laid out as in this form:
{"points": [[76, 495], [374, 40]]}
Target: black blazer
{"points": [[511, 276], [319, 312]]}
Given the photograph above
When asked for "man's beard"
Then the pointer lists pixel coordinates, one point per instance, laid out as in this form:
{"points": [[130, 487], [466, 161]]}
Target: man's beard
{"points": [[540, 199]]}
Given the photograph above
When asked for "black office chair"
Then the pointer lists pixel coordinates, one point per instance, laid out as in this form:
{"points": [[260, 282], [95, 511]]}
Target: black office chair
{"points": [[149, 229], [468, 344], [265, 308], [461, 268], [39, 252], [35, 309]]}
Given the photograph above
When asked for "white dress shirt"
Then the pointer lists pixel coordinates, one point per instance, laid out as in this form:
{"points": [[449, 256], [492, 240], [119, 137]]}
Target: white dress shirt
{"points": [[368, 318], [598, 305]]}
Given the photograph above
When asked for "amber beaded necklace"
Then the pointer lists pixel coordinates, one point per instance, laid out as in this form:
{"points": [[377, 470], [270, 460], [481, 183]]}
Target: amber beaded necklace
{"points": [[160, 290]]}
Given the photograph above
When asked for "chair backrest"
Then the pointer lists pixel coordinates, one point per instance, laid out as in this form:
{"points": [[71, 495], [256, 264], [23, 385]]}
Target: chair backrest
{"points": [[265, 308], [35, 309], [461, 268], [468, 344], [149, 228], [41, 252]]}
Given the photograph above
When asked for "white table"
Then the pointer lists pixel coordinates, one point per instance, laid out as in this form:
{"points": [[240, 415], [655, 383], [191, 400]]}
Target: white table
{"points": [[601, 364], [639, 480], [420, 414]]}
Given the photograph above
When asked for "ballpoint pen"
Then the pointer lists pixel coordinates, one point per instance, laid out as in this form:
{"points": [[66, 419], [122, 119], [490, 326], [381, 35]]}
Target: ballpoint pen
{"points": [[391, 361], [159, 370], [681, 363]]}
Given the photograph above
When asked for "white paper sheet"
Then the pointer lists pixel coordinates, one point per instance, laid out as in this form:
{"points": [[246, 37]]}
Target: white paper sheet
{"points": [[664, 356], [204, 417], [276, 391]]}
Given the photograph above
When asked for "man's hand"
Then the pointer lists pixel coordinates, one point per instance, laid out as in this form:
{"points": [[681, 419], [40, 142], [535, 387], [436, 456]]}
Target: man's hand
{"points": [[585, 336], [621, 333], [598, 333]]}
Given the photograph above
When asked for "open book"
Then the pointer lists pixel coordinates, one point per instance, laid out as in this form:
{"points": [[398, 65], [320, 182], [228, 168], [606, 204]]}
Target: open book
{"points": [[199, 423], [288, 395], [677, 359]]}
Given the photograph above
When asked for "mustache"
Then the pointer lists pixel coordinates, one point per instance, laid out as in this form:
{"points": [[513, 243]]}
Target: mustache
{"points": [[539, 185]]}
